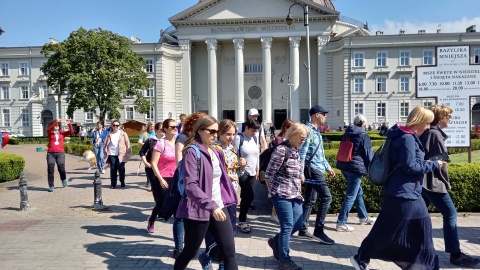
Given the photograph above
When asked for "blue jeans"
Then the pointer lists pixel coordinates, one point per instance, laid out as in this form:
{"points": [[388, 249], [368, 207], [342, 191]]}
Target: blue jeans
{"points": [[353, 195], [310, 198], [443, 202], [99, 156], [178, 232], [290, 216]]}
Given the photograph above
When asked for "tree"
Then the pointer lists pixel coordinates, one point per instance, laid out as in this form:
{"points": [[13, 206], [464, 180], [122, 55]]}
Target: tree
{"points": [[97, 68]]}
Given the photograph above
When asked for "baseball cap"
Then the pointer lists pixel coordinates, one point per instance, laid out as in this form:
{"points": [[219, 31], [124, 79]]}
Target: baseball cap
{"points": [[317, 109], [253, 111]]}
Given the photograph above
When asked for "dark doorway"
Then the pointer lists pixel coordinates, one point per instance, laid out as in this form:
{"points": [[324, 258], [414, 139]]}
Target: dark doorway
{"points": [[279, 116], [47, 118], [229, 114], [259, 117]]}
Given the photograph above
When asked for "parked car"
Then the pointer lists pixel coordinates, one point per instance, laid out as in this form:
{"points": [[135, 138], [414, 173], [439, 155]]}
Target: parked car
{"points": [[15, 135]]}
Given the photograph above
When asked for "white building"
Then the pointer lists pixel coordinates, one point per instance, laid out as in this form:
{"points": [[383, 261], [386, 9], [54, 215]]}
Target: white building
{"points": [[226, 56]]}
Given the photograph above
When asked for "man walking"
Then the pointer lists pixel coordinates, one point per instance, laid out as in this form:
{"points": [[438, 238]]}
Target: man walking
{"points": [[253, 115], [56, 151], [98, 146], [312, 155]]}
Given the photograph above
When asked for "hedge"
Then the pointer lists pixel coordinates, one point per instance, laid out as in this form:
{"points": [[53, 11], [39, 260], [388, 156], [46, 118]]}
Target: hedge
{"points": [[78, 148], [11, 166]]}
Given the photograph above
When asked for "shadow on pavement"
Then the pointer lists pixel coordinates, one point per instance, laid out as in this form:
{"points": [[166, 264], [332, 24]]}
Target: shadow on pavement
{"points": [[119, 231]]}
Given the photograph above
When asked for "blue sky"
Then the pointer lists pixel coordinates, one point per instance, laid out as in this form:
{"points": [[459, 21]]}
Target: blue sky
{"points": [[33, 22]]}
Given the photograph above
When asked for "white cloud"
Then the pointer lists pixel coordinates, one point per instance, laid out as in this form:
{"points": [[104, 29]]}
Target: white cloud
{"points": [[391, 27]]}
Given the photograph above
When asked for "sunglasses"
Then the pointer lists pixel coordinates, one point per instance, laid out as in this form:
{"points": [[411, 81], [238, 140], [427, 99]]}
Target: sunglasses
{"points": [[449, 116], [172, 127], [115, 125], [212, 131]]}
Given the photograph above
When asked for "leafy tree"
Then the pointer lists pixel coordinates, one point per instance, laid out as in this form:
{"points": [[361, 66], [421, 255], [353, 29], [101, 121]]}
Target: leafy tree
{"points": [[97, 68]]}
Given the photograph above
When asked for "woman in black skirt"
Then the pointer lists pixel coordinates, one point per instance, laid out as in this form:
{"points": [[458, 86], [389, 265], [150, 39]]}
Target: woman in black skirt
{"points": [[402, 233]]}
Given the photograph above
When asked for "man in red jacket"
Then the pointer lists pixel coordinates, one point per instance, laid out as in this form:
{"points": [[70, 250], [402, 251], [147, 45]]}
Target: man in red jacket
{"points": [[56, 152]]}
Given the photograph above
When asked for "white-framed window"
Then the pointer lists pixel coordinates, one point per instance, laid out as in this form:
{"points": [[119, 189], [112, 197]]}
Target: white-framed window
{"points": [[381, 84], [149, 66], [404, 84], [256, 68], [45, 91], [358, 84], [358, 58], [428, 57], [404, 109], [89, 117], [25, 92], [5, 92], [381, 109], [358, 108], [6, 117], [476, 56], [149, 92], [381, 59], [23, 69], [150, 115], [25, 117], [404, 58], [130, 112], [4, 70], [427, 104]]}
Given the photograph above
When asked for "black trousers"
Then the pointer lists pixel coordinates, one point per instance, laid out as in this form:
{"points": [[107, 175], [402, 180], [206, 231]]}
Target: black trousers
{"points": [[159, 194], [52, 158], [116, 165], [195, 232], [246, 194]]}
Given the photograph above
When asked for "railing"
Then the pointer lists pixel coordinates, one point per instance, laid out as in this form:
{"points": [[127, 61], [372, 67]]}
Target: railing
{"points": [[354, 22]]}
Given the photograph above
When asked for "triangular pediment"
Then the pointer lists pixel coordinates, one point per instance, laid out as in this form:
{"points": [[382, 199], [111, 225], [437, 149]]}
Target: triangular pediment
{"points": [[210, 11]]}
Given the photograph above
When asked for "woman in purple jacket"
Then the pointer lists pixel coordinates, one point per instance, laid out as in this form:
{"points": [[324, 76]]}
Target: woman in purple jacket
{"points": [[208, 191]]}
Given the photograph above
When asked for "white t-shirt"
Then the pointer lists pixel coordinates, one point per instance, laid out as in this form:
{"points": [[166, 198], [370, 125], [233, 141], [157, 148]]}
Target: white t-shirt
{"points": [[249, 150], [217, 173], [113, 146]]}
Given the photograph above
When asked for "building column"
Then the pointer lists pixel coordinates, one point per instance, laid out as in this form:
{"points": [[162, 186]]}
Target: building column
{"points": [[212, 77], [267, 80], [295, 75], [238, 44], [187, 94], [323, 73]]}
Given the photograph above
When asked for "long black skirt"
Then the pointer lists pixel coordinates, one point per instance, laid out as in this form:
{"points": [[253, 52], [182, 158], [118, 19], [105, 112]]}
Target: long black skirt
{"points": [[402, 234]]}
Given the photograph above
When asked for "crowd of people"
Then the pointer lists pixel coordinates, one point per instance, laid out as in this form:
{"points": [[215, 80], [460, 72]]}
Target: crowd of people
{"points": [[219, 162]]}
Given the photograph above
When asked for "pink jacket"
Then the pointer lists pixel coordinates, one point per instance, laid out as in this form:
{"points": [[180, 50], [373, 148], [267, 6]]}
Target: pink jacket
{"points": [[124, 150]]}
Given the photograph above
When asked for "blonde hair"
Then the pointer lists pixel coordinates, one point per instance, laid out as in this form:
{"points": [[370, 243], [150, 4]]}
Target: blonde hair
{"points": [[440, 112], [145, 134], [295, 129], [419, 115]]}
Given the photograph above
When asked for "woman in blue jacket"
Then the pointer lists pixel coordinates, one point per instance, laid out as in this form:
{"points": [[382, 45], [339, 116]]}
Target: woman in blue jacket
{"points": [[208, 192], [403, 231]]}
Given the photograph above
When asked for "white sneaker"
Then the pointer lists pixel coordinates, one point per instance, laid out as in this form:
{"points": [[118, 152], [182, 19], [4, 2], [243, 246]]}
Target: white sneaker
{"points": [[344, 228], [274, 219], [367, 221], [103, 171]]}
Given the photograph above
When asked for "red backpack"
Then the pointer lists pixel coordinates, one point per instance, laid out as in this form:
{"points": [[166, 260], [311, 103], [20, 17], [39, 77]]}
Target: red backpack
{"points": [[345, 151]]}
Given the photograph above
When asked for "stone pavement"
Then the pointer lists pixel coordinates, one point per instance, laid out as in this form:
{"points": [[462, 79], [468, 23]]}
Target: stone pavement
{"points": [[61, 231]]}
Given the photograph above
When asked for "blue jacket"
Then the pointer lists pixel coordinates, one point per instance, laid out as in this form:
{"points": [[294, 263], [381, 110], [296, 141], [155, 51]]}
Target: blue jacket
{"points": [[407, 152], [362, 151]]}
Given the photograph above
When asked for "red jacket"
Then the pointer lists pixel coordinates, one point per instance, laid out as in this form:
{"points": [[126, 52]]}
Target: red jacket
{"points": [[52, 147]]}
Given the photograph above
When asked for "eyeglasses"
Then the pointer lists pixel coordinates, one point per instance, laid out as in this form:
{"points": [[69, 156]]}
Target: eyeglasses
{"points": [[449, 116], [212, 131], [115, 125], [172, 127]]}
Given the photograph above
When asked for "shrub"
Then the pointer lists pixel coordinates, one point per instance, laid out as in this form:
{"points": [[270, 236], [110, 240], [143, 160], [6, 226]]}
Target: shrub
{"points": [[78, 148], [11, 166]]}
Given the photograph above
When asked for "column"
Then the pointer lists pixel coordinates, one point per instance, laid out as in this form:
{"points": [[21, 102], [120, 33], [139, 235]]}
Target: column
{"points": [[187, 94], [323, 73], [295, 74], [267, 80], [212, 77], [238, 44]]}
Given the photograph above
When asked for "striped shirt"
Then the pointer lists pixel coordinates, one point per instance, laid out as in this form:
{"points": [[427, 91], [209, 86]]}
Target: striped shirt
{"points": [[319, 162]]}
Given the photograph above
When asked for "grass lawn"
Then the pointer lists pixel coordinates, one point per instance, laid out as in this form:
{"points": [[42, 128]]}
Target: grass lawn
{"points": [[463, 157]]}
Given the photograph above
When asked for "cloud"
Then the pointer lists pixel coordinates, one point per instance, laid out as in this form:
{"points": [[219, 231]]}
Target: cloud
{"points": [[392, 27]]}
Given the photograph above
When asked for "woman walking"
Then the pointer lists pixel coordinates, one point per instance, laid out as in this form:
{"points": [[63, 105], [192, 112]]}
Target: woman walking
{"points": [[403, 231], [353, 171], [285, 176], [117, 152], [208, 192]]}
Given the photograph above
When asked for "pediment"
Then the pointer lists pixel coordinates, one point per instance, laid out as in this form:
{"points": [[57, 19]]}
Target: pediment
{"points": [[223, 11]]}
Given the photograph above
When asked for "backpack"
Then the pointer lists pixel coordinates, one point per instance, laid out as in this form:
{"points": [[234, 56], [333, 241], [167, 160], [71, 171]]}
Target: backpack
{"points": [[267, 155], [181, 183], [380, 168], [345, 151]]}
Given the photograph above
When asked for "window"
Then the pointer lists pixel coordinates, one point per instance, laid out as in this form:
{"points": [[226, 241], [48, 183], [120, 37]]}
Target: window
{"points": [[427, 57], [25, 118], [381, 59], [358, 82], [253, 68], [23, 69], [476, 56], [89, 117], [358, 59], [381, 108], [381, 84], [45, 91], [149, 67], [149, 115], [130, 113], [427, 104], [5, 92], [404, 58], [404, 109], [6, 117], [25, 92], [358, 108], [149, 92], [404, 84], [4, 69]]}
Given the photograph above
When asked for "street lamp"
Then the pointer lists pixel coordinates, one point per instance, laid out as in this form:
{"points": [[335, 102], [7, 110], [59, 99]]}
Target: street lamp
{"points": [[289, 99], [289, 21]]}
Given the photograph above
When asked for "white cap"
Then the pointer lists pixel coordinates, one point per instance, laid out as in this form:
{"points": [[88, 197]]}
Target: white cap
{"points": [[253, 111]]}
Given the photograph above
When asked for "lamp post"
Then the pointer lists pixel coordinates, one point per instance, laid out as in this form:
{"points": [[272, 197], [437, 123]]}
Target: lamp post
{"points": [[289, 21], [289, 99]]}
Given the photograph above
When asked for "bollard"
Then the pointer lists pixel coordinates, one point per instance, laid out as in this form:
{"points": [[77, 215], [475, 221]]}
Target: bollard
{"points": [[97, 189], [23, 193]]}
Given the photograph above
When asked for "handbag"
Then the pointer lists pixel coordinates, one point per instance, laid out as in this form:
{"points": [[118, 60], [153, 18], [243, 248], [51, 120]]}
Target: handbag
{"points": [[171, 202], [307, 170], [345, 151]]}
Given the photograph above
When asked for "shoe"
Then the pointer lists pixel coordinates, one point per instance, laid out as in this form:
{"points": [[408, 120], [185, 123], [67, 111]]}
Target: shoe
{"points": [[150, 226], [274, 247], [274, 219], [205, 261], [464, 260], [305, 234], [51, 189], [123, 185], [112, 187], [289, 265], [344, 228], [367, 221], [323, 238], [358, 265], [103, 171], [176, 252], [64, 183]]}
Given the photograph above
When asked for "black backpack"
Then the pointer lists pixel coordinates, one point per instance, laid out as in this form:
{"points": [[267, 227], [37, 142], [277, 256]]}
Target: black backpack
{"points": [[267, 155]]}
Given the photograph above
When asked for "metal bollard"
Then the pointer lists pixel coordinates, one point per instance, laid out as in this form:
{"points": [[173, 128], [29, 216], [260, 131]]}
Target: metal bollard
{"points": [[97, 188], [23, 193]]}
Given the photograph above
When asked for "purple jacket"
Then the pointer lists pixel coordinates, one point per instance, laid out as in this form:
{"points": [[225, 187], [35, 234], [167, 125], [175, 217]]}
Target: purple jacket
{"points": [[197, 203]]}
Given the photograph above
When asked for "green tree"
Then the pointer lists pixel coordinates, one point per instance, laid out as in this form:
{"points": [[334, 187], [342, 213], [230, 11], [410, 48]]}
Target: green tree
{"points": [[97, 69]]}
